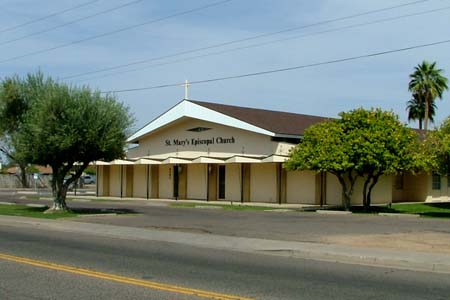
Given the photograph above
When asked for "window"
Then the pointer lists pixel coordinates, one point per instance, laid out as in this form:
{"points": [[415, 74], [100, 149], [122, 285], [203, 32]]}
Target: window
{"points": [[436, 181]]}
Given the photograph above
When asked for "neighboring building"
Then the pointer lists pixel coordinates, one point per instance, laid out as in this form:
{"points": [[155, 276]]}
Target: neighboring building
{"points": [[212, 152], [43, 170]]}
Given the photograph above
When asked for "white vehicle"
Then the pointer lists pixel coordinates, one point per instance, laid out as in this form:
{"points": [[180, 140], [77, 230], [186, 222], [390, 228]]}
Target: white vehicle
{"points": [[88, 179]]}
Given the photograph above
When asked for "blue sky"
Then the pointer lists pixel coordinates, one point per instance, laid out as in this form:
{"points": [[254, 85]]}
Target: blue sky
{"points": [[325, 90]]}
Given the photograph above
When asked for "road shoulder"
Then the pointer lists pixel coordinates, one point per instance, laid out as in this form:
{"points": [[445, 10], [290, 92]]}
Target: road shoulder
{"points": [[410, 260]]}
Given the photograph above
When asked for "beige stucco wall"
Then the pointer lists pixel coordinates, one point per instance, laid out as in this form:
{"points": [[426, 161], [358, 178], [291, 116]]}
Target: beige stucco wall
{"points": [[102, 186], [232, 182], [140, 181], [333, 190], [114, 181], [437, 195], [301, 187], [263, 183], [245, 142], [415, 188], [197, 181], [419, 188], [381, 193], [165, 181]]}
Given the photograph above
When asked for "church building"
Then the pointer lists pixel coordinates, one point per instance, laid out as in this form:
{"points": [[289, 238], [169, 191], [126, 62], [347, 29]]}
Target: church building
{"points": [[215, 152]]}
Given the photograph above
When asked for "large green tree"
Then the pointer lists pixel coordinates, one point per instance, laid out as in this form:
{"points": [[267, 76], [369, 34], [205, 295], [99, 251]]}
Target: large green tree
{"points": [[326, 148], [382, 145], [437, 145], [361, 144], [416, 110], [67, 128], [428, 83], [14, 103]]}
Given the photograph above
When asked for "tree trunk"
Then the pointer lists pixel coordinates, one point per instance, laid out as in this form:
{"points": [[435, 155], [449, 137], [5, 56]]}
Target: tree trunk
{"points": [[369, 184], [59, 202], [372, 185], [60, 187], [420, 124], [347, 188], [59, 190], [366, 201], [23, 175], [427, 111]]}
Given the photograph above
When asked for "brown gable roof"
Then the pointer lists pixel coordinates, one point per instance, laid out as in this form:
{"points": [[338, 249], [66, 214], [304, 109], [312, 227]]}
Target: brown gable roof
{"points": [[274, 121]]}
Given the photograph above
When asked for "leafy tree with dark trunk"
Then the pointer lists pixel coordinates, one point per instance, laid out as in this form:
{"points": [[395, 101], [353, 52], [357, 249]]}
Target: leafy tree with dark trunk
{"points": [[383, 146], [68, 128], [428, 83], [326, 148], [437, 145], [361, 144], [14, 104]]}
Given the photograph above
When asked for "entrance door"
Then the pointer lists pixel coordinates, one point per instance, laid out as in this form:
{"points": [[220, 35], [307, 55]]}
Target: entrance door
{"points": [[221, 182], [176, 181]]}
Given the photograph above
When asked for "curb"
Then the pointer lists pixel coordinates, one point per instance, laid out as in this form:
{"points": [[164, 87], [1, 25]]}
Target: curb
{"points": [[333, 212], [399, 215]]}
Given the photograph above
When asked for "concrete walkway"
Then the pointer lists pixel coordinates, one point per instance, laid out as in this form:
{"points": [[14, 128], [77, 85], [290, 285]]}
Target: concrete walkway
{"points": [[91, 197], [411, 260]]}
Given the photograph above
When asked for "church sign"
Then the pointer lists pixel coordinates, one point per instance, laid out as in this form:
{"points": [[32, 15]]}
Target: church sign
{"points": [[199, 142]]}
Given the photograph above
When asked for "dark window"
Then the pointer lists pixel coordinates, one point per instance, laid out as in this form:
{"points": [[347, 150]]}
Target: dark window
{"points": [[221, 182], [436, 183]]}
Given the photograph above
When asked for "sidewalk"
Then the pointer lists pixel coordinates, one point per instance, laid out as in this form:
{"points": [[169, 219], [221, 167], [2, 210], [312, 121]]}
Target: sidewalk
{"points": [[411, 260], [90, 196]]}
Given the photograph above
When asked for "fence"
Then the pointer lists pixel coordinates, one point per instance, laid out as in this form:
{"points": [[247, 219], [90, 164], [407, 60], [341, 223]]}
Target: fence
{"points": [[13, 181]]}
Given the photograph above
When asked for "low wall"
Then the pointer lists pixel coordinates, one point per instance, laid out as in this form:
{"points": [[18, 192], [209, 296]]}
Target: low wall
{"points": [[12, 181]]}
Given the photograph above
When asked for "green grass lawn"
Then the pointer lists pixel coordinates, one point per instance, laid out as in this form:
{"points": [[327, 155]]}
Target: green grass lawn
{"points": [[435, 210], [38, 212], [438, 210], [33, 212]]}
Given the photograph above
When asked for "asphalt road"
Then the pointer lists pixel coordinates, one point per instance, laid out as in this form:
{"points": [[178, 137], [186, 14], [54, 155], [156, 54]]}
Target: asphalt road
{"points": [[230, 273], [289, 226]]}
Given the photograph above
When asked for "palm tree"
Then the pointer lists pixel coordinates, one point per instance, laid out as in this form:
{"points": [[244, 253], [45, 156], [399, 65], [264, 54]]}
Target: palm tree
{"points": [[428, 83], [416, 110]]}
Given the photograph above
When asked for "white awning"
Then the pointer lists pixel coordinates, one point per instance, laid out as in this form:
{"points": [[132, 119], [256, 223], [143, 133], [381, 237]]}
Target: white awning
{"points": [[174, 160], [121, 162], [100, 163], [242, 160], [207, 160], [146, 161], [275, 159]]}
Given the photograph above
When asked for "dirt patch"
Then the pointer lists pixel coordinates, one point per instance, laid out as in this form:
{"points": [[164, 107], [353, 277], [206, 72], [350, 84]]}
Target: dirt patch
{"points": [[415, 241]]}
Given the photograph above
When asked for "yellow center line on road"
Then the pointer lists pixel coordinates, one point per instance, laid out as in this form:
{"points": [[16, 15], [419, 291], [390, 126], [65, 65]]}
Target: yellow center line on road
{"points": [[122, 279]]}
